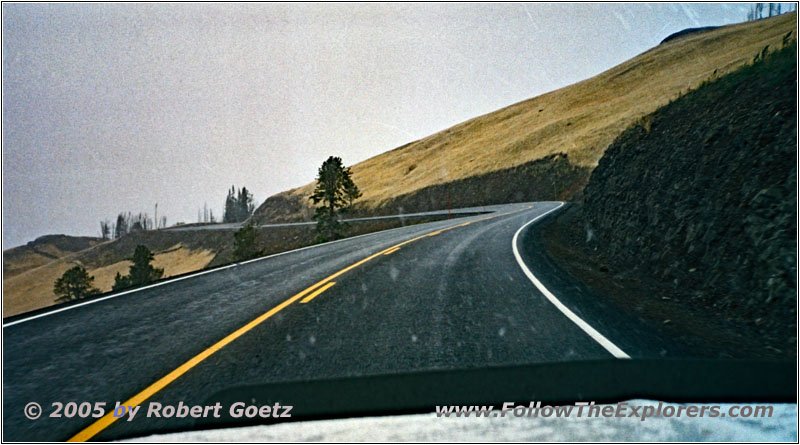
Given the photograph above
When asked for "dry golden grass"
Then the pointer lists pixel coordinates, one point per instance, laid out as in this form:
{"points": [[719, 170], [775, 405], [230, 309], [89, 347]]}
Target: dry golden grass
{"points": [[580, 120], [179, 260], [104, 276], [33, 289]]}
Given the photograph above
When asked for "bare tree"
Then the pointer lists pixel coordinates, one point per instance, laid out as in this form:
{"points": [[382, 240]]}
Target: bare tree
{"points": [[105, 229], [121, 227]]}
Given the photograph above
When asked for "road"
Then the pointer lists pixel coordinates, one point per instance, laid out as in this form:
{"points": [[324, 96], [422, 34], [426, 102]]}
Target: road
{"points": [[452, 295], [402, 216]]}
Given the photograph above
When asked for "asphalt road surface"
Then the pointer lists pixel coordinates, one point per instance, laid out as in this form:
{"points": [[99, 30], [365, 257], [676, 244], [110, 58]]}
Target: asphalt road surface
{"points": [[449, 294]]}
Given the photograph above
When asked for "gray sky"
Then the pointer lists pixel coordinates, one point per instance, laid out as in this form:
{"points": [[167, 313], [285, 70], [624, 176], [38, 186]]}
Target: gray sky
{"points": [[114, 107]]}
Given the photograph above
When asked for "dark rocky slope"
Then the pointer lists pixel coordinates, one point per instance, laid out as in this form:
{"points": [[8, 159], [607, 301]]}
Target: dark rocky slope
{"points": [[698, 201]]}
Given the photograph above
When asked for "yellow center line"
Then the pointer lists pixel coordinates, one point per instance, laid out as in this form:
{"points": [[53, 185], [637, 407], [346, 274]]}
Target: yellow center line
{"points": [[139, 398], [106, 421], [317, 292], [391, 251]]}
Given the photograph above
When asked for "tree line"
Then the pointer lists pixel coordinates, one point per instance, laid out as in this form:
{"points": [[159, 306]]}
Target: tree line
{"points": [[127, 222], [239, 205], [76, 283], [763, 10]]}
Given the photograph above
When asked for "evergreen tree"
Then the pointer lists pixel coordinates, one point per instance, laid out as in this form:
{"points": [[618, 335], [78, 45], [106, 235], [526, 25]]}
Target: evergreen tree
{"points": [[245, 203], [245, 243], [239, 212], [335, 190], [74, 284], [351, 191], [121, 282], [141, 271], [239, 205], [229, 213]]}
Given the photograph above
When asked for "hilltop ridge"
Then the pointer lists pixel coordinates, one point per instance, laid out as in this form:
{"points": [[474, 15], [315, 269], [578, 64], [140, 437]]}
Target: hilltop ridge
{"points": [[579, 121]]}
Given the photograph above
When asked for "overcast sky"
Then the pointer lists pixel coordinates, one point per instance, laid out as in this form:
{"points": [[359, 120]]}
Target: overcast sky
{"points": [[116, 107]]}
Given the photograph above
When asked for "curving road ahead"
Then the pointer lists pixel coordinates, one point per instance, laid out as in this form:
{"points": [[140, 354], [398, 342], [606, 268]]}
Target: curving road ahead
{"points": [[442, 295]]}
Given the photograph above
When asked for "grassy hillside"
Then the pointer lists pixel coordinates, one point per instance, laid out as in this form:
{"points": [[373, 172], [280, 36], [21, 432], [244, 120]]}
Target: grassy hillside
{"points": [[43, 250], [580, 120], [31, 287]]}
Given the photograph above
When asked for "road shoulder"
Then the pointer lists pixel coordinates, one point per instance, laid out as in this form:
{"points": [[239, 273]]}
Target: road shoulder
{"points": [[701, 332]]}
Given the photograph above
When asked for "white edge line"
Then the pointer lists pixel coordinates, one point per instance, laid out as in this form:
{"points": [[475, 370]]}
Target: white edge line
{"points": [[203, 272], [592, 332]]}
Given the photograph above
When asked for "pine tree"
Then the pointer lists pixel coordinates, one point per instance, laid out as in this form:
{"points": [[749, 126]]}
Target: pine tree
{"points": [[238, 205], [121, 282], [245, 204], [351, 191], [245, 243], [74, 284], [141, 271], [335, 190], [229, 214]]}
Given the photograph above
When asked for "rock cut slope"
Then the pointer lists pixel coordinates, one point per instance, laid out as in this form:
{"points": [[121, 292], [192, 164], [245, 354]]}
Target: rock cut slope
{"points": [[703, 195], [690, 218]]}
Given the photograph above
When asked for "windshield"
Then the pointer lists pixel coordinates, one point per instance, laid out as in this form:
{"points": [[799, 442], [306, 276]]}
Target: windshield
{"points": [[210, 209]]}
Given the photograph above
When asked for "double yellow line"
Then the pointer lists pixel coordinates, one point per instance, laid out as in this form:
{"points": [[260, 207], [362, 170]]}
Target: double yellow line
{"points": [[317, 292], [309, 293]]}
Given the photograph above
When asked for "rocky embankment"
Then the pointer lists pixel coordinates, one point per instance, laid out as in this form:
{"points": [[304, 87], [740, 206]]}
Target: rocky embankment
{"points": [[701, 197]]}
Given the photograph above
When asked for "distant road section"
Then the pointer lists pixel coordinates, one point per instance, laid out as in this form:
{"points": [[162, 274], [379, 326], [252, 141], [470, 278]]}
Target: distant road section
{"points": [[454, 212]]}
